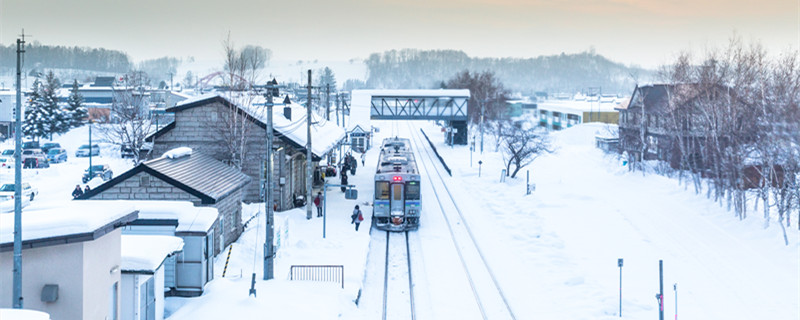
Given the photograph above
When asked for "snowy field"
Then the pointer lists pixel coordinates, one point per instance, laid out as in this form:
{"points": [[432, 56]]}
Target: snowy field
{"points": [[555, 251]]}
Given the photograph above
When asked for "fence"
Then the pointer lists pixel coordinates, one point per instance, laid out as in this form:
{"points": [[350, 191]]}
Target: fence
{"points": [[321, 273], [437, 153]]}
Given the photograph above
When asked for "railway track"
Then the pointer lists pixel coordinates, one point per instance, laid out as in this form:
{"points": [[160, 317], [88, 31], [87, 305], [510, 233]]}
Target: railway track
{"points": [[398, 288], [486, 291]]}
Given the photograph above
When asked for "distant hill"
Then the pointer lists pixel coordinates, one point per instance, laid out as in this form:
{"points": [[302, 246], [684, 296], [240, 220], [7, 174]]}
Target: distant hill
{"points": [[413, 69]]}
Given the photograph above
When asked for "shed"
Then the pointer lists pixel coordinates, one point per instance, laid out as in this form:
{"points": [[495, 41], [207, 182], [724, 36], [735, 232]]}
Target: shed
{"points": [[186, 273], [72, 256], [142, 283], [184, 175]]}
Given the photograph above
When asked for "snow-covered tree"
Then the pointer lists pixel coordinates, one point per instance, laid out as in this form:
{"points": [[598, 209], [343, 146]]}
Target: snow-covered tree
{"points": [[35, 124], [76, 112], [130, 110]]}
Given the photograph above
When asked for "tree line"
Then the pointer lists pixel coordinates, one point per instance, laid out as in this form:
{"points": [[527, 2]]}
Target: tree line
{"points": [[422, 69], [39, 56], [732, 120]]}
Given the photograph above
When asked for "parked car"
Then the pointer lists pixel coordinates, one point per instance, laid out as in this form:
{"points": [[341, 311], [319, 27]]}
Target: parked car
{"points": [[28, 191], [34, 158], [99, 170], [30, 145], [47, 146], [85, 150], [6, 163], [56, 155], [144, 151], [8, 153]]}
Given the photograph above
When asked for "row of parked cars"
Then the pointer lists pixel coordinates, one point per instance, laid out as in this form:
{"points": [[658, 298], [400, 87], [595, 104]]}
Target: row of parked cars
{"points": [[34, 156]]}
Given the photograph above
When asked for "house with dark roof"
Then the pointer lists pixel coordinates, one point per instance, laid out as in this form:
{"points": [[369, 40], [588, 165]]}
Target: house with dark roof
{"points": [[191, 176], [200, 123]]}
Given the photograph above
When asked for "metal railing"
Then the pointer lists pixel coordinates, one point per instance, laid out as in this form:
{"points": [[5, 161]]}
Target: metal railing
{"points": [[321, 273]]}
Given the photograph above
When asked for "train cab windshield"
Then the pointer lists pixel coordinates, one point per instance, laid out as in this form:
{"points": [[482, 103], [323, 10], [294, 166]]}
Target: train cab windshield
{"points": [[412, 190], [382, 190]]}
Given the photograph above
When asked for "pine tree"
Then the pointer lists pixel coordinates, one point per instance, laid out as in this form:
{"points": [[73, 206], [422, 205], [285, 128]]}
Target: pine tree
{"points": [[75, 111], [56, 120], [34, 124]]}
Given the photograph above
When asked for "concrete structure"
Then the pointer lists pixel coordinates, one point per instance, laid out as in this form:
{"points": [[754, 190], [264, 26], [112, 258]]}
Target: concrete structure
{"points": [[194, 177], [200, 125], [142, 280], [71, 266]]}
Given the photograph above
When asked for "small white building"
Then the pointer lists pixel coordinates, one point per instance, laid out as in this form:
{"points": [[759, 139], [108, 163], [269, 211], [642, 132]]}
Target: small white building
{"points": [[186, 273], [142, 284], [71, 259]]}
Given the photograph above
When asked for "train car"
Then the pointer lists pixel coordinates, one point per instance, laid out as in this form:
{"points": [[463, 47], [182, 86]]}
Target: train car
{"points": [[397, 203]]}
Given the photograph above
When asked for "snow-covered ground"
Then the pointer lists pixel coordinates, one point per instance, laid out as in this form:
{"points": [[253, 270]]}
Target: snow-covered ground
{"points": [[554, 252]]}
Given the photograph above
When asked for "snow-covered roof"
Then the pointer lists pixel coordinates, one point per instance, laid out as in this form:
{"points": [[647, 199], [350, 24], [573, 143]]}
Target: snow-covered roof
{"points": [[416, 93], [190, 218], [23, 314], [74, 218], [576, 106], [145, 253], [324, 134]]}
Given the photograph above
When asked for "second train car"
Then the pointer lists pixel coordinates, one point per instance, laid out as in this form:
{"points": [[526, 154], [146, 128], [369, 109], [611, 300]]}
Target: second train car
{"points": [[397, 203]]}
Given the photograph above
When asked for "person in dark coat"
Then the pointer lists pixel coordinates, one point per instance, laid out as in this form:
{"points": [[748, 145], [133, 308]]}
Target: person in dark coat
{"points": [[77, 192], [353, 164], [356, 217], [345, 166], [344, 180], [318, 203], [87, 189]]}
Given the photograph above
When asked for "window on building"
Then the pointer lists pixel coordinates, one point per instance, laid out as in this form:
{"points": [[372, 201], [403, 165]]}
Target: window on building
{"points": [[144, 181]]}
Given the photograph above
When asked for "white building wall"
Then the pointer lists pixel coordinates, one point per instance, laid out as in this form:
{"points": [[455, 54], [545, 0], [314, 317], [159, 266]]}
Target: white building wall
{"points": [[101, 269], [61, 265]]}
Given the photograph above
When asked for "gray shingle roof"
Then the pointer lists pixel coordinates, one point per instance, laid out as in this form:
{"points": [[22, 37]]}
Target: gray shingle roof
{"points": [[202, 173]]}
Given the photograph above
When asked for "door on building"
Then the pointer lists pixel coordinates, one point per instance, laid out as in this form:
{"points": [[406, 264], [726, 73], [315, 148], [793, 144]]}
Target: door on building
{"points": [[208, 254]]}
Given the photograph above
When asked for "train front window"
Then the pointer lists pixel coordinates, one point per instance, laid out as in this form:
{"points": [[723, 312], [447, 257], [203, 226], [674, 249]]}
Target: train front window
{"points": [[412, 190], [382, 190], [397, 192]]}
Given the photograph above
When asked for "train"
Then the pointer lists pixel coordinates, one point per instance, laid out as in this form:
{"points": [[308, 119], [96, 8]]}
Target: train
{"points": [[397, 202]]}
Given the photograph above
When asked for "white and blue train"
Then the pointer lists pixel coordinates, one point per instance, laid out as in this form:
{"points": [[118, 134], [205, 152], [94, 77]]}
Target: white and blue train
{"points": [[397, 204]]}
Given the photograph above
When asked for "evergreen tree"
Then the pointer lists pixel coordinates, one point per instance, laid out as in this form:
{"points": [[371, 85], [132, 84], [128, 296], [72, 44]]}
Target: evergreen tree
{"points": [[33, 125], [75, 110], [57, 119], [327, 77]]}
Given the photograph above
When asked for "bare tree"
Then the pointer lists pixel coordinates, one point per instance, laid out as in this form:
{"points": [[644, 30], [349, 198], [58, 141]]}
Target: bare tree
{"points": [[131, 119], [521, 147], [231, 124]]}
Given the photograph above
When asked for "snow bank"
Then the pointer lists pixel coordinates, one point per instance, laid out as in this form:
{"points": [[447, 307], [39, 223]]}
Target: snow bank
{"points": [[178, 152], [70, 218], [146, 252]]}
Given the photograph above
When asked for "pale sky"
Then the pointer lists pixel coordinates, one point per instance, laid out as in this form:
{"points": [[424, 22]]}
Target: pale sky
{"points": [[641, 32]]}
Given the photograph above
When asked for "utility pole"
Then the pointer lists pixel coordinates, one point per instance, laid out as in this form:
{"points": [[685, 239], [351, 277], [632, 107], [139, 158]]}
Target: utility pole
{"points": [[17, 291], [482, 113], [660, 295], [337, 109], [268, 254], [327, 102], [309, 177]]}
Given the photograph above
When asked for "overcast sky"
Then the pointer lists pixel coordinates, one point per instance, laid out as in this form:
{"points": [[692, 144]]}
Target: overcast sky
{"points": [[641, 32]]}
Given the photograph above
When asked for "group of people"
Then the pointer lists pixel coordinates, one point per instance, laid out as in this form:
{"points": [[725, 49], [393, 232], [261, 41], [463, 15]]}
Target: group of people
{"points": [[79, 192], [355, 218], [349, 165]]}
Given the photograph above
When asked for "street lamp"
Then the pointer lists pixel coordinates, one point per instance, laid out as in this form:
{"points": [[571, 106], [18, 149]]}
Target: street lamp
{"points": [[90, 149]]}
